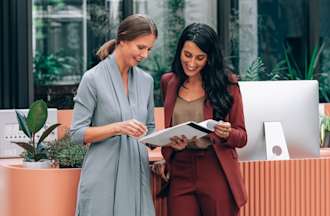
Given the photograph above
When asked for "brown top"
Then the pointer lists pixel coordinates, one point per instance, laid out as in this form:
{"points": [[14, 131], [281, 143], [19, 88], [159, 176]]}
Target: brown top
{"points": [[190, 111]]}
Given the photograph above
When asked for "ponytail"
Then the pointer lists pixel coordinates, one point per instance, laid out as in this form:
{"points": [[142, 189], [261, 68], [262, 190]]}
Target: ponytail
{"points": [[106, 49], [130, 28]]}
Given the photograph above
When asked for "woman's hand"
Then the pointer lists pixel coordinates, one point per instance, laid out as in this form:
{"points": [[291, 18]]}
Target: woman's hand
{"points": [[178, 143], [159, 169], [132, 128], [222, 129]]}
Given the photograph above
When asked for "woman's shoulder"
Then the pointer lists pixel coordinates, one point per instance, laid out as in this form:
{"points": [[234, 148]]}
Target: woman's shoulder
{"points": [[98, 68], [167, 76], [89, 75], [92, 75]]}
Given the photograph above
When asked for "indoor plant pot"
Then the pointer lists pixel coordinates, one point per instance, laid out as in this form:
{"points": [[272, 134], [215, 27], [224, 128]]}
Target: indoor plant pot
{"points": [[35, 154]]}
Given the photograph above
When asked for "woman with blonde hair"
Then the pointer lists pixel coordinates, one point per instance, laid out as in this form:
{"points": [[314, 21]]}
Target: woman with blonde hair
{"points": [[113, 106]]}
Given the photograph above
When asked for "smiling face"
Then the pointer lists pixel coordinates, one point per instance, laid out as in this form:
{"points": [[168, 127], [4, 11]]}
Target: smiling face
{"points": [[193, 59], [138, 49]]}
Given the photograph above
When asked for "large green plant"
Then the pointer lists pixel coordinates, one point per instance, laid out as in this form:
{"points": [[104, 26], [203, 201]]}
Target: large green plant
{"points": [[309, 72], [288, 69], [31, 124], [65, 153], [257, 67]]}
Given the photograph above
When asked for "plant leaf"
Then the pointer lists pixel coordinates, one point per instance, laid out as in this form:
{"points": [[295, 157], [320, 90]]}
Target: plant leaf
{"points": [[22, 122], [277, 72], [37, 116], [291, 69], [314, 61], [25, 146], [47, 132], [257, 66]]}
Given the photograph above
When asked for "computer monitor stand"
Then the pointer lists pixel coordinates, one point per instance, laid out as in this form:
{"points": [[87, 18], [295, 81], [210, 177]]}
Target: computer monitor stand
{"points": [[276, 146]]}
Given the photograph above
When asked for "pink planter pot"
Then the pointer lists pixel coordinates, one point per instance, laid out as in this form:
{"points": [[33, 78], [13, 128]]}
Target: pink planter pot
{"points": [[37, 192]]}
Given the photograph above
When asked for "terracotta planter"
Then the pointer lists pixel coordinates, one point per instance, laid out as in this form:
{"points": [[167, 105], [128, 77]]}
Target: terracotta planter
{"points": [[37, 192]]}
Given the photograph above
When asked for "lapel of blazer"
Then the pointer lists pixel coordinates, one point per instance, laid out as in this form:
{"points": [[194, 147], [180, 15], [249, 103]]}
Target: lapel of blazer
{"points": [[170, 99]]}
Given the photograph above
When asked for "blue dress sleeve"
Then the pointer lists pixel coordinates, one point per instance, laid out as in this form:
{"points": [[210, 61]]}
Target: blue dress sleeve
{"points": [[84, 106]]}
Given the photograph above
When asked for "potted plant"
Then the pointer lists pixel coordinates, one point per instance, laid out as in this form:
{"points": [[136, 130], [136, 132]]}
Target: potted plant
{"points": [[35, 154], [325, 131], [66, 154]]}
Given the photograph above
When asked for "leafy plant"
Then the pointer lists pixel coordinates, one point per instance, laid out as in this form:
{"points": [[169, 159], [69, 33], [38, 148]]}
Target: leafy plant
{"points": [[51, 67], [279, 68], [291, 70], [65, 153], [325, 131], [30, 125], [256, 67], [310, 69], [288, 69]]}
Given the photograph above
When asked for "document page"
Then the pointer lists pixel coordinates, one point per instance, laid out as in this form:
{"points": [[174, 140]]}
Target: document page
{"points": [[189, 129]]}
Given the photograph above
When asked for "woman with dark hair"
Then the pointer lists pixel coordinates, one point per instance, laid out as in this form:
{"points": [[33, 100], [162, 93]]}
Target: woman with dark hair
{"points": [[113, 106], [204, 173]]}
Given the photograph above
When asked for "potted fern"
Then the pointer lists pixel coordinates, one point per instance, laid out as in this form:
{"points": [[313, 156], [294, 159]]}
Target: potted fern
{"points": [[35, 154]]}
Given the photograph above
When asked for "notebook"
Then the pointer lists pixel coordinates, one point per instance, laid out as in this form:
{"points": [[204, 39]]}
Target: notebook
{"points": [[190, 129]]}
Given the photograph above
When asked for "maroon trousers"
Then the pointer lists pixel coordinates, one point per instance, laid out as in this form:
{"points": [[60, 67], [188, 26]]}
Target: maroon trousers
{"points": [[198, 186]]}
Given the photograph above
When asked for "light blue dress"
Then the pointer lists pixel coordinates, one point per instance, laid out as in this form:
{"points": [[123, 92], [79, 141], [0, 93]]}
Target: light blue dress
{"points": [[115, 178]]}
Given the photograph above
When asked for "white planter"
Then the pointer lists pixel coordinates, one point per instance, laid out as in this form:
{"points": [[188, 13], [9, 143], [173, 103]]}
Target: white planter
{"points": [[37, 165]]}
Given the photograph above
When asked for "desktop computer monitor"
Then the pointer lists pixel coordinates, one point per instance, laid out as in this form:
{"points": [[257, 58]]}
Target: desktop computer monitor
{"points": [[294, 104]]}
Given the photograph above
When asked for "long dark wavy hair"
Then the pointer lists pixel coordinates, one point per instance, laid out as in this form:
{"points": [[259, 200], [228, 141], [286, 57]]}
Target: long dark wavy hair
{"points": [[214, 76]]}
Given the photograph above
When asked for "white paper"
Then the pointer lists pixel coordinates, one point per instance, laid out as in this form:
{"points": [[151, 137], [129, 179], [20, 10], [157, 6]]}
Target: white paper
{"points": [[189, 129]]}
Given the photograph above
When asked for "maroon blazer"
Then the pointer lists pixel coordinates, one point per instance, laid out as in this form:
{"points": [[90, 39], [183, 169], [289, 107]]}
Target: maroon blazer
{"points": [[225, 149]]}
